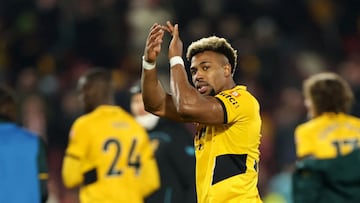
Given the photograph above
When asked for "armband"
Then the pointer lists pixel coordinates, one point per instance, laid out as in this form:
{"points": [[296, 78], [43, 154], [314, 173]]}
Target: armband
{"points": [[146, 65], [176, 60]]}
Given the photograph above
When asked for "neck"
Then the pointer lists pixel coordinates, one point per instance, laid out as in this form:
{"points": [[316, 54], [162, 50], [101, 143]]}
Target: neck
{"points": [[232, 84], [229, 85]]}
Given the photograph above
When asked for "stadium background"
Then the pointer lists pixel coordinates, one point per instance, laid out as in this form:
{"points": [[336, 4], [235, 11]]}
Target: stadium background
{"points": [[46, 44]]}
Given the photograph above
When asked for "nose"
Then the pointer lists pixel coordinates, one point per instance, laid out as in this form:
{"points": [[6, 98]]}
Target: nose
{"points": [[198, 76]]}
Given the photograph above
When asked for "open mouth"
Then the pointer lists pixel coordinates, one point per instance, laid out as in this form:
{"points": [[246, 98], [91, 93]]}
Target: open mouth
{"points": [[202, 89]]}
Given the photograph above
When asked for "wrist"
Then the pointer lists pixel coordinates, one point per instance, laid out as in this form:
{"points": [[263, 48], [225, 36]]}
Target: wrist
{"points": [[176, 60], [147, 65]]}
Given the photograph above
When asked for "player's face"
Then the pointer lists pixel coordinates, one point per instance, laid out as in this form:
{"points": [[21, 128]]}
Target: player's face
{"points": [[86, 94], [208, 70]]}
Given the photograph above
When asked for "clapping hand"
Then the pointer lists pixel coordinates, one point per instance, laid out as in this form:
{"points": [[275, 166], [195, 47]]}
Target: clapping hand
{"points": [[153, 43], [176, 45]]}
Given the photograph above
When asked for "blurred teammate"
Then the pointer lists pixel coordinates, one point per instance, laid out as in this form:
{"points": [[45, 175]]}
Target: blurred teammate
{"points": [[228, 132], [173, 147], [326, 173], [109, 155], [23, 167]]}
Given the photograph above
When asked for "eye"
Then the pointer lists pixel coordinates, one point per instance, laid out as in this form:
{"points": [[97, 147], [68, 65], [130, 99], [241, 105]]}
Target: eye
{"points": [[193, 71], [205, 68]]}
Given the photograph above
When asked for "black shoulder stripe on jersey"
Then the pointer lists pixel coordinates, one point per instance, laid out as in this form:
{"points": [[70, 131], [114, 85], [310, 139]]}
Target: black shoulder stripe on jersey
{"points": [[228, 165], [90, 176], [224, 109]]}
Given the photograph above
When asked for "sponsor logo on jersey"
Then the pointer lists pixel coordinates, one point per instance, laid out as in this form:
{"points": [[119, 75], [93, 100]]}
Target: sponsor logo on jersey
{"points": [[230, 97]]}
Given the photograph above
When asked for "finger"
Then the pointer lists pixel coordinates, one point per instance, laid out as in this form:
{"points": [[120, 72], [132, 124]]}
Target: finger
{"points": [[168, 23], [153, 26], [159, 36], [156, 46], [176, 31], [170, 27], [155, 35], [155, 29], [156, 39], [165, 28], [154, 32]]}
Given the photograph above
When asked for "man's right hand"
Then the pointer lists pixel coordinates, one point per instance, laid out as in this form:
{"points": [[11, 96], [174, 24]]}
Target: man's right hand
{"points": [[153, 43], [176, 45]]}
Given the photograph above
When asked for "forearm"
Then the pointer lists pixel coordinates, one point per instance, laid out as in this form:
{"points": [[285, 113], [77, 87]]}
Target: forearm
{"points": [[183, 94], [154, 95], [156, 99]]}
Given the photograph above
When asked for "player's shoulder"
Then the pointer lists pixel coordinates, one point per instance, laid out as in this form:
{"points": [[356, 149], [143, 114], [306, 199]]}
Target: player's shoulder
{"points": [[238, 92], [99, 113], [353, 119], [238, 95], [301, 128], [82, 120], [310, 125], [307, 124]]}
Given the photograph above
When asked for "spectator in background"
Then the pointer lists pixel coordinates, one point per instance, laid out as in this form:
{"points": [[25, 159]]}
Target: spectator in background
{"points": [[327, 144], [34, 114], [173, 145], [109, 155], [23, 157]]}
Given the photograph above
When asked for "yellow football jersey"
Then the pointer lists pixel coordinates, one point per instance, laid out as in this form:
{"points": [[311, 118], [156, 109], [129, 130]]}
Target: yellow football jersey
{"points": [[328, 136], [228, 154], [115, 156]]}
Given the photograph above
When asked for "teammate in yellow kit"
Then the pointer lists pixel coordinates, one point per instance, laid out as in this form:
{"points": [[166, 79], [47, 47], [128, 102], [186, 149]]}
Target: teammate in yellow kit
{"points": [[109, 155], [228, 132], [327, 146], [331, 132]]}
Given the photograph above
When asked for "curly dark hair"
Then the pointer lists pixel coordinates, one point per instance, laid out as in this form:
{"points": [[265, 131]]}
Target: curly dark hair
{"points": [[216, 44]]}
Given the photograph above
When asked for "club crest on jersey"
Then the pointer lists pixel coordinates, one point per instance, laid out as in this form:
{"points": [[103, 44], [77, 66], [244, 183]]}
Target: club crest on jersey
{"points": [[230, 97], [235, 93]]}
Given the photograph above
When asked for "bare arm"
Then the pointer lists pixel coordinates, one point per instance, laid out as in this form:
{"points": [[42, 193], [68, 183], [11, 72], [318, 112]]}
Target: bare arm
{"points": [[156, 100], [189, 103]]}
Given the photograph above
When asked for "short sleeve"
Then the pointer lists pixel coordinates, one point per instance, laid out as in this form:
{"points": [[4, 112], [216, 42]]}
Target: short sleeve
{"points": [[78, 140], [302, 143], [238, 104]]}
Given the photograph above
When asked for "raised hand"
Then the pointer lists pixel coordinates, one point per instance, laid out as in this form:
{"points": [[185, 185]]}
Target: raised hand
{"points": [[176, 45], [153, 43]]}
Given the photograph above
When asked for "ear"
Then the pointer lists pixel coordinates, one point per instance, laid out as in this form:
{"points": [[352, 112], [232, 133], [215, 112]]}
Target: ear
{"points": [[227, 70]]}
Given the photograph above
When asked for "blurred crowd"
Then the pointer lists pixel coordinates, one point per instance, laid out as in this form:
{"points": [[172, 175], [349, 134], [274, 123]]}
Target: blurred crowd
{"points": [[46, 44]]}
